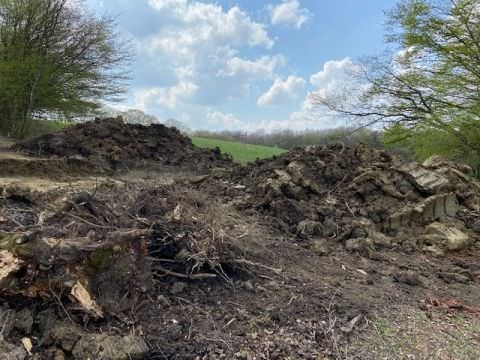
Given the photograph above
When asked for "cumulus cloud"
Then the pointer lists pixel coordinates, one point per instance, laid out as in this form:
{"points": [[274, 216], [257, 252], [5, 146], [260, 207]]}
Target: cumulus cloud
{"points": [[160, 96], [282, 91], [335, 77], [224, 120], [220, 121], [194, 23], [263, 67], [289, 12], [199, 45], [334, 83]]}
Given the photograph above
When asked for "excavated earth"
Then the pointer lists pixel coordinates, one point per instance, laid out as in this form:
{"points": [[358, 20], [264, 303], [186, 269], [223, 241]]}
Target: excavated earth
{"points": [[107, 145], [153, 249]]}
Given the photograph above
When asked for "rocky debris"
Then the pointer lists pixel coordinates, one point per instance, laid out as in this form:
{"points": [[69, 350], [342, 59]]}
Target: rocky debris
{"points": [[363, 198], [408, 278], [177, 288], [445, 236], [12, 352], [110, 347], [66, 338], [424, 179], [112, 144], [8, 264]]}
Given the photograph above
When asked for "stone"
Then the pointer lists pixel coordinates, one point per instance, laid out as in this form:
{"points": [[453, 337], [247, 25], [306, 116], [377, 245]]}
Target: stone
{"points": [[446, 236], [177, 288], [59, 355], [110, 347], [64, 335], [283, 176], [424, 179], [24, 321], [408, 278], [309, 228], [452, 277], [163, 300], [364, 246], [434, 250], [320, 247], [8, 264], [12, 352], [7, 321], [434, 208]]}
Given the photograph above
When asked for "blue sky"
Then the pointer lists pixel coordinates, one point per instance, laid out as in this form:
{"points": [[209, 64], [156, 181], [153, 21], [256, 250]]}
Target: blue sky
{"points": [[244, 65]]}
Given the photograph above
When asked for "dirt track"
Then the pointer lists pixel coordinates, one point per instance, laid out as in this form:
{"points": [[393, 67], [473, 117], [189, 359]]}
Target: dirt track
{"points": [[184, 265]]}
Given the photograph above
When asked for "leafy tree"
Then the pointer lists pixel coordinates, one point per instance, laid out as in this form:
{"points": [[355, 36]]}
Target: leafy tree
{"points": [[427, 83], [55, 58]]}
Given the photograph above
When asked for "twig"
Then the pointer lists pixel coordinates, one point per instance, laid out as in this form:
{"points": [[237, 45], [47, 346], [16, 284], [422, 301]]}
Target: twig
{"points": [[15, 221], [349, 209], [88, 222], [251, 263], [59, 301], [184, 276]]}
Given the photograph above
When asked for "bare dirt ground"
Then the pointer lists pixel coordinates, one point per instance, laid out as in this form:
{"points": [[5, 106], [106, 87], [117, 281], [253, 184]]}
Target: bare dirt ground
{"points": [[272, 261]]}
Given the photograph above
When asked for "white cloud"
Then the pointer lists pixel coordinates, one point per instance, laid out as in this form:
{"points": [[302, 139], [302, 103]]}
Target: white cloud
{"points": [[194, 23], [263, 67], [220, 121], [160, 96], [199, 43], [162, 4], [334, 83], [335, 78], [289, 13], [224, 120], [282, 91]]}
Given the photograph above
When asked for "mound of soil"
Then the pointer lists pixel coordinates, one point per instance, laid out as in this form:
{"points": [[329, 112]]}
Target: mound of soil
{"points": [[113, 144], [362, 197], [194, 269]]}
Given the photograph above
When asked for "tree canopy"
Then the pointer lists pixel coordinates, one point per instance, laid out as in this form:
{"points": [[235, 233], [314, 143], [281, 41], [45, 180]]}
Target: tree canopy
{"points": [[56, 58], [427, 81]]}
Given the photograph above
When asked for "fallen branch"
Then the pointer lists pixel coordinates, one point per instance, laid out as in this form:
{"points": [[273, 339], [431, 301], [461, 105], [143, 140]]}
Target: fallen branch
{"points": [[199, 276], [88, 222]]}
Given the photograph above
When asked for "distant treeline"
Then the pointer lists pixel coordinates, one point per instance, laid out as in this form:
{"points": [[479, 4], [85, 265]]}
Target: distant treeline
{"points": [[288, 139]]}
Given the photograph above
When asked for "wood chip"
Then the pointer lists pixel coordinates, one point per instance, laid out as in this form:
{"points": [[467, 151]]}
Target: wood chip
{"points": [[8, 264], [27, 344], [83, 297]]}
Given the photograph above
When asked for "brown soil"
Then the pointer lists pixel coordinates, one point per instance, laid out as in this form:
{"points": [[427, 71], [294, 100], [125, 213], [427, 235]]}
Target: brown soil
{"points": [[349, 194], [111, 144], [271, 261]]}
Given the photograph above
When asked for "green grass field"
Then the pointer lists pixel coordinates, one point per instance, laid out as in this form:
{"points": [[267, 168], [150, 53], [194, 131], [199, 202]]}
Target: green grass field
{"points": [[240, 152]]}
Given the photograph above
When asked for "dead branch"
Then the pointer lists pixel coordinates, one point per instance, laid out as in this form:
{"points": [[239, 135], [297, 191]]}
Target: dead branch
{"points": [[199, 276]]}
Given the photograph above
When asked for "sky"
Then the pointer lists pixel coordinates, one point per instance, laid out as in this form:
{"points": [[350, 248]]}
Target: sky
{"points": [[243, 65]]}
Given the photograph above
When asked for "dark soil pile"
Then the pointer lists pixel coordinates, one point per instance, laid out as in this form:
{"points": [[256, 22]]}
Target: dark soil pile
{"points": [[362, 197], [112, 144]]}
